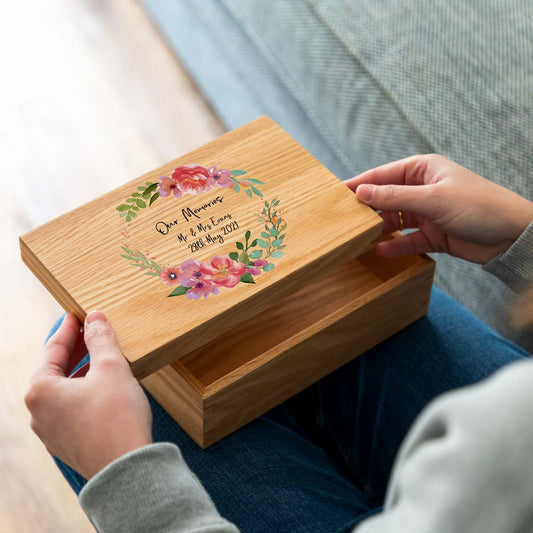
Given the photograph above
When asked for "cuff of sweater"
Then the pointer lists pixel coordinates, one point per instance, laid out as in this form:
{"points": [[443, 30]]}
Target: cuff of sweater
{"points": [[150, 489], [515, 266]]}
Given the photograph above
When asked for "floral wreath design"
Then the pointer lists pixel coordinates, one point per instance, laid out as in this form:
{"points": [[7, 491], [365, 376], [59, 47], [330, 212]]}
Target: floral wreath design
{"points": [[194, 278]]}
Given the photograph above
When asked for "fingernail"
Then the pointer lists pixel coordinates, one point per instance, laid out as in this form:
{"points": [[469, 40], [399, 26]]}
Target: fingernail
{"points": [[365, 192], [95, 316]]}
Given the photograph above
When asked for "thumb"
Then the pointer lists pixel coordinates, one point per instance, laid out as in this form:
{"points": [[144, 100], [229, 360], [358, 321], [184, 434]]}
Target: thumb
{"points": [[102, 344], [413, 198]]}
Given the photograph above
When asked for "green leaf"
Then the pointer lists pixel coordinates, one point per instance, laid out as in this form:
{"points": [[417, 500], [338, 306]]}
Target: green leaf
{"points": [[269, 267], [157, 267], [128, 218], [151, 273], [277, 242], [243, 258], [236, 186], [140, 203], [178, 291], [277, 254], [123, 214], [130, 200], [267, 205], [238, 172], [248, 192], [147, 194], [254, 242], [274, 232], [234, 256], [265, 235], [247, 235], [127, 250], [253, 180], [281, 247], [256, 191], [136, 195], [123, 207], [153, 199], [142, 256], [256, 254], [141, 188], [247, 278], [132, 214], [239, 245], [262, 243], [134, 208], [126, 257], [151, 187]]}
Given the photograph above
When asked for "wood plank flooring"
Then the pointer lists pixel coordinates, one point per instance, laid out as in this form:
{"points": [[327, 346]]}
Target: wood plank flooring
{"points": [[90, 97]]}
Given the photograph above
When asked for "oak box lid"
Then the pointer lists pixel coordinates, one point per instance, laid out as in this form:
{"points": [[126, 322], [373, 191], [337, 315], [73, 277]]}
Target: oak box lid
{"points": [[188, 251]]}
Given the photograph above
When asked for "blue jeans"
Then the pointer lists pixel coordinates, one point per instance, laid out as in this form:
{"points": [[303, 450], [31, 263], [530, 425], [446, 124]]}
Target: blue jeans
{"points": [[321, 460]]}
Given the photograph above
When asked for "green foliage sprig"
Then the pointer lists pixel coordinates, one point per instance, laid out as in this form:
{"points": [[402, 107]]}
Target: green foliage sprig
{"points": [[248, 185], [138, 259], [144, 197], [270, 245]]}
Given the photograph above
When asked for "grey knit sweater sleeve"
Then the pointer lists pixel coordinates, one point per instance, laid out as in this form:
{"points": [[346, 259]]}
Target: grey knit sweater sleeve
{"points": [[464, 466], [515, 267], [151, 489]]}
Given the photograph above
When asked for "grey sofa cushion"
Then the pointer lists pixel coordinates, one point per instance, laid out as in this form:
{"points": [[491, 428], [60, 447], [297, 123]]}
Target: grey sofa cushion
{"points": [[360, 83]]}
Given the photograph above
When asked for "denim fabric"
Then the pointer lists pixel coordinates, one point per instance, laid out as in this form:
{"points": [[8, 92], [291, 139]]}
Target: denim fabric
{"points": [[359, 83], [321, 460]]}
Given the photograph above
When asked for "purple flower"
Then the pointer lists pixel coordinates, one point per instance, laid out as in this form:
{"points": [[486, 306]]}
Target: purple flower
{"points": [[200, 283], [221, 177]]}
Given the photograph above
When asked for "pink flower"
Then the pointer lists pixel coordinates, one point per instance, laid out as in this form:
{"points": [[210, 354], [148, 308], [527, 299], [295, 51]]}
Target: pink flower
{"points": [[167, 186], [221, 177], [253, 271], [201, 288], [193, 179], [260, 263], [169, 276], [192, 276], [223, 271], [190, 273]]}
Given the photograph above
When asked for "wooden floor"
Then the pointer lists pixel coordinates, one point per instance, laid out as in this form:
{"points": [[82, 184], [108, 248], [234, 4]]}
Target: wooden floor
{"points": [[90, 97]]}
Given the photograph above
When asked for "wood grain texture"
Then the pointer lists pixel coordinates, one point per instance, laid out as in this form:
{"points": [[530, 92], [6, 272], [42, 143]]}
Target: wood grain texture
{"points": [[292, 344], [90, 96], [77, 256]]}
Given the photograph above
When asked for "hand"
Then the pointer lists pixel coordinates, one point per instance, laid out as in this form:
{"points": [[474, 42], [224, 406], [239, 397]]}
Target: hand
{"points": [[455, 210], [92, 419]]}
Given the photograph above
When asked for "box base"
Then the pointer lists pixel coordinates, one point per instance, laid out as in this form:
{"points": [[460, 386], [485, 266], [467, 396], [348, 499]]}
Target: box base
{"points": [[227, 383]]}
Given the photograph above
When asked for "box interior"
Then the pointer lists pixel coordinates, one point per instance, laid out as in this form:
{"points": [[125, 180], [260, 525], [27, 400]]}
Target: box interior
{"points": [[253, 342]]}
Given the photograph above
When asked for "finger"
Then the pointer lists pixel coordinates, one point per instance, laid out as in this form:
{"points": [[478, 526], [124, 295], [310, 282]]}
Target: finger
{"points": [[408, 171], [82, 371], [54, 357], [392, 223], [102, 344], [417, 199], [412, 243], [78, 353]]}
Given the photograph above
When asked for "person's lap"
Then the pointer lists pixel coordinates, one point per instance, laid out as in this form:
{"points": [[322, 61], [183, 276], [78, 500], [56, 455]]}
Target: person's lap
{"points": [[322, 459]]}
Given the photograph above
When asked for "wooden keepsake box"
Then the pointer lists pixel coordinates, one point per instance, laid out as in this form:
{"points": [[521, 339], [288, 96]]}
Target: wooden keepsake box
{"points": [[234, 276]]}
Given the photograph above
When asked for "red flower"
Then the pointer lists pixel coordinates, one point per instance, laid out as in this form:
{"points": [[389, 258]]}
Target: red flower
{"points": [[169, 276], [193, 179]]}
